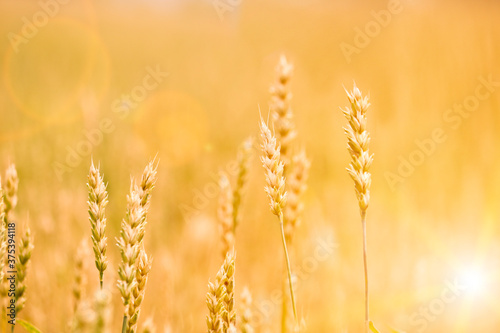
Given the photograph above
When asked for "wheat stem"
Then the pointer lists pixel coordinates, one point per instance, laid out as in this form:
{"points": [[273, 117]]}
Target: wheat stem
{"points": [[284, 308], [365, 264], [289, 270], [124, 324]]}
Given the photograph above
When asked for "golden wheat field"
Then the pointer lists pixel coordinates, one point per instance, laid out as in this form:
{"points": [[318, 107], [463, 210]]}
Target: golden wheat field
{"points": [[180, 166]]}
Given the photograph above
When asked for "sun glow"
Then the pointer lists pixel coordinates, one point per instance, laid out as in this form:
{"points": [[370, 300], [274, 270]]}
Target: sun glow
{"points": [[474, 280]]}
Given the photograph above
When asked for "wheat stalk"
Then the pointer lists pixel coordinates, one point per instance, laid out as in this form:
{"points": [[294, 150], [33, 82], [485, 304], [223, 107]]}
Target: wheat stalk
{"points": [[358, 139], [281, 110], [275, 189], [97, 201], [282, 116]]}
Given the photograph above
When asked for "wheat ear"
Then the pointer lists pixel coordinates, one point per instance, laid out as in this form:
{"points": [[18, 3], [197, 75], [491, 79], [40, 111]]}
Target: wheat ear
{"points": [[275, 189], [297, 184], [281, 110], [246, 319], [230, 199], [101, 308], [9, 196], [143, 265], [273, 167], [129, 243], [214, 300], [243, 157], [358, 139], [80, 270], [228, 281], [23, 259], [148, 326], [220, 298], [97, 201], [148, 181], [10, 192], [131, 239], [84, 318], [141, 277], [225, 214]]}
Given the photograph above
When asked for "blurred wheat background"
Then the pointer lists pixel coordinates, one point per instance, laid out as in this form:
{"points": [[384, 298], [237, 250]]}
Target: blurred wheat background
{"points": [[437, 225]]}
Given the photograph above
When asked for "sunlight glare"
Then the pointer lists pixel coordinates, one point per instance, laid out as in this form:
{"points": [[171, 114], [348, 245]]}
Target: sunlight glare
{"points": [[474, 280]]}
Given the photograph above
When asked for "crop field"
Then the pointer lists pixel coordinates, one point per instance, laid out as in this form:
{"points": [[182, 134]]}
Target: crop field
{"points": [[249, 166]]}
